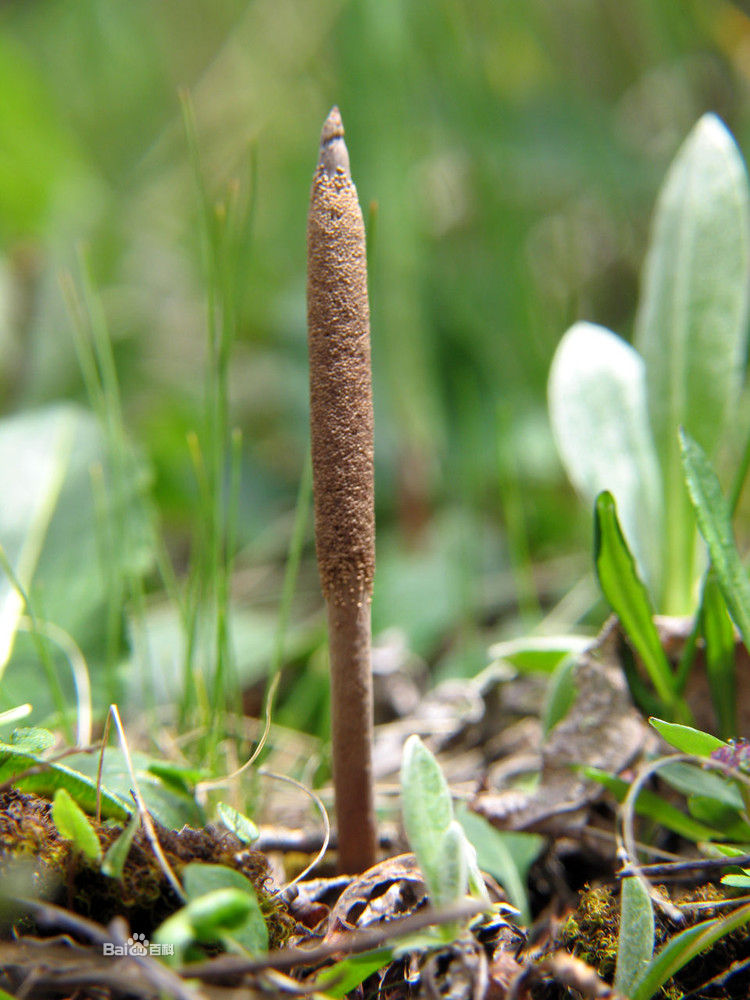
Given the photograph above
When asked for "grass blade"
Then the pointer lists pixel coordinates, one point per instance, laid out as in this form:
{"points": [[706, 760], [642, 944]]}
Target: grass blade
{"points": [[684, 947], [654, 807], [718, 632], [627, 595], [714, 521]]}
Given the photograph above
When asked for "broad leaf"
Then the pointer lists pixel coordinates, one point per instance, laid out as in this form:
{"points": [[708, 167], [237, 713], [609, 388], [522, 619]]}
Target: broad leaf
{"points": [[597, 405], [694, 780], [35, 452], [446, 858], [538, 653], [686, 739], [560, 694], [51, 536], [690, 327], [241, 918], [47, 777], [505, 855]]}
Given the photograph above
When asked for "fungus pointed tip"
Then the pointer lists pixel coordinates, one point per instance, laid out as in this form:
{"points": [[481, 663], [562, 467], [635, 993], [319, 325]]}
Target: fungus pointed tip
{"points": [[333, 152], [333, 126]]}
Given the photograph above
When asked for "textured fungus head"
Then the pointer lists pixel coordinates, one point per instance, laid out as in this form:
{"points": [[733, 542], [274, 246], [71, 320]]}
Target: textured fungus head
{"points": [[340, 384]]}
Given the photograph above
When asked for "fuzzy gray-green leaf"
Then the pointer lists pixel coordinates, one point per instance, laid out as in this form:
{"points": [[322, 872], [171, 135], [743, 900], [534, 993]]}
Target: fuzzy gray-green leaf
{"points": [[427, 808], [599, 416], [691, 322], [636, 942]]}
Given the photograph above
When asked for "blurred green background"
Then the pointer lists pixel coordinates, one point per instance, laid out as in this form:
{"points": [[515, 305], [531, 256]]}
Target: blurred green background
{"points": [[507, 156]]}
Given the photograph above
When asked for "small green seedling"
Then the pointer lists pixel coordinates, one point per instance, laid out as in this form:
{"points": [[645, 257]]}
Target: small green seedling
{"points": [[446, 858], [73, 824], [242, 827], [222, 909], [116, 856]]}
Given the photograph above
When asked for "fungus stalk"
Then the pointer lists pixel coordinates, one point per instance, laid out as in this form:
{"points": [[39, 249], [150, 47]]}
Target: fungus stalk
{"points": [[341, 422]]}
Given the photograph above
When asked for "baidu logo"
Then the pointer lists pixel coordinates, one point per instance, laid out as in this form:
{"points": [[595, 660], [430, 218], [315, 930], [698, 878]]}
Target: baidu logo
{"points": [[136, 945]]}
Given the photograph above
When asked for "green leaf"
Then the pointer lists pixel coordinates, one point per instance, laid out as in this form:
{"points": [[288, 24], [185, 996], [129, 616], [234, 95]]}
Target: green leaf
{"points": [[117, 854], [718, 632], [169, 804], [177, 933], [427, 808], [35, 452], [539, 653], [559, 695], [452, 872], [218, 912], [690, 779], [715, 523], [599, 415], [200, 880], [684, 947], [15, 714], [636, 941], [716, 850], [653, 807], [504, 855], [347, 974], [690, 327], [737, 881], [52, 776], [242, 827], [34, 739], [182, 779], [48, 530], [623, 588], [719, 816], [73, 824], [216, 917], [686, 739]]}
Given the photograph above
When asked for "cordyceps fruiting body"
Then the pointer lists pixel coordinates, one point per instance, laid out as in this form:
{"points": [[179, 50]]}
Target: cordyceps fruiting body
{"points": [[341, 420]]}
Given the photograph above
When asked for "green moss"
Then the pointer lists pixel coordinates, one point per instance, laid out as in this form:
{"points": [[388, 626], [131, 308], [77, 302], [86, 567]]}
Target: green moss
{"points": [[591, 931], [31, 847]]}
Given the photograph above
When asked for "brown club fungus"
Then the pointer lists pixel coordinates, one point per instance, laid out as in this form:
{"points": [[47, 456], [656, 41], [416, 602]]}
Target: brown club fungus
{"points": [[341, 421]]}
